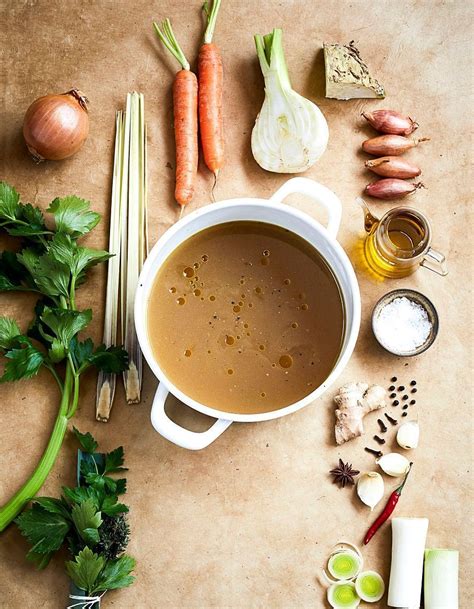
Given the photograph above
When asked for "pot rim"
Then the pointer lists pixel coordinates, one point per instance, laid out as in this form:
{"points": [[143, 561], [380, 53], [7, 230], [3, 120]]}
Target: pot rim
{"points": [[146, 278]]}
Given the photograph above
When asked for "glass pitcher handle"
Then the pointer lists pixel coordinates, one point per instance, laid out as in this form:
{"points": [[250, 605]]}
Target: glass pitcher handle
{"points": [[435, 261]]}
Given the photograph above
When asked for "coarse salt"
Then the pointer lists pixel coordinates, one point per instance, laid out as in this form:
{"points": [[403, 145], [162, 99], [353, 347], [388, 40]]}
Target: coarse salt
{"points": [[402, 325]]}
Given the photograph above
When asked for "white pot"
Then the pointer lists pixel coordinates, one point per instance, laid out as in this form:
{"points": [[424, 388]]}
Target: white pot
{"points": [[272, 211]]}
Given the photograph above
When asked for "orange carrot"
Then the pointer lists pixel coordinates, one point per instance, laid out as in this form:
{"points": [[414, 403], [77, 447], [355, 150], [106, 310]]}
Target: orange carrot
{"points": [[185, 108], [210, 95]]}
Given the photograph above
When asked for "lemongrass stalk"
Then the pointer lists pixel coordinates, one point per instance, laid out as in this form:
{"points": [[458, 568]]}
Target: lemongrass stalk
{"points": [[408, 545], [135, 243], [441, 579], [106, 381]]}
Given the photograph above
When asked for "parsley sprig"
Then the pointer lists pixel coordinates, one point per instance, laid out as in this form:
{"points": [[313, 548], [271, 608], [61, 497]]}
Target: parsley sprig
{"points": [[52, 264], [89, 519]]}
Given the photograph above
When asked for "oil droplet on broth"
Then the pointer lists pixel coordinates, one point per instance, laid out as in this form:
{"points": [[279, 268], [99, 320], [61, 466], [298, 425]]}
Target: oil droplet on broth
{"points": [[230, 371], [236, 309], [187, 353], [246, 325], [229, 340], [188, 272], [263, 394], [266, 253], [294, 324], [212, 298], [181, 300], [172, 290], [261, 347], [304, 307], [285, 361], [196, 265], [287, 281], [204, 257], [197, 292], [258, 290]]}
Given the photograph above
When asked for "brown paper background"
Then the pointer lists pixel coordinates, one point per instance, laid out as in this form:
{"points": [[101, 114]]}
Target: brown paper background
{"points": [[249, 521]]}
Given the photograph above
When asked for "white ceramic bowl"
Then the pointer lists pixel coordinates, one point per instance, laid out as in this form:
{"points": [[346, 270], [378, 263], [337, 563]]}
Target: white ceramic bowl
{"points": [[272, 211]]}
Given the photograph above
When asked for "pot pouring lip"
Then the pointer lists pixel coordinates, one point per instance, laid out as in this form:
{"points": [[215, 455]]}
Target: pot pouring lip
{"points": [[348, 285]]}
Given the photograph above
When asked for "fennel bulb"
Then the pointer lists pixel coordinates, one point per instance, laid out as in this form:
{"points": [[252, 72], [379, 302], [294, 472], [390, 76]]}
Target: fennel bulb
{"points": [[290, 132], [441, 579]]}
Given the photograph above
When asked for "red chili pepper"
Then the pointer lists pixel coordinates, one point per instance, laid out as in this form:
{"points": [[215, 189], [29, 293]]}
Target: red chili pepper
{"points": [[388, 509]]}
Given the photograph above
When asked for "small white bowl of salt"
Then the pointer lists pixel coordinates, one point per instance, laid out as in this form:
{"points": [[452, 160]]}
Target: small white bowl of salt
{"points": [[405, 322]]}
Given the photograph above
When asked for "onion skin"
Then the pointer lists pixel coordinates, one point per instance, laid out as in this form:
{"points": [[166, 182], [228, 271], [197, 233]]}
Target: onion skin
{"points": [[389, 121], [56, 126], [390, 145], [391, 188], [393, 167]]}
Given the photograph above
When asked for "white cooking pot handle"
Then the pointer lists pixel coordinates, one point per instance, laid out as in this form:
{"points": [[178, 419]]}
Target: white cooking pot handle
{"points": [[191, 440], [319, 193]]}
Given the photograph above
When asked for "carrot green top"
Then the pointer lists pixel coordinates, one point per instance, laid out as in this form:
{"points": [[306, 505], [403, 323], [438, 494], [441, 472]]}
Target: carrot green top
{"points": [[211, 19], [167, 37]]}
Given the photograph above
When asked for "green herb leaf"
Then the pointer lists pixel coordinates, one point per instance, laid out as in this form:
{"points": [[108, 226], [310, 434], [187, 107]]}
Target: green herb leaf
{"points": [[72, 216], [24, 362], [55, 506], [13, 275], [9, 200], [116, 574], [50, 276], [121, 486], [77, 258], [110, 359], [29, 222], [87, 520], [9, 330], [66, 323], [81, 351], [44, 530], [114, 461], [79, 494], [111, 507], [85, 569], [86, 440]]}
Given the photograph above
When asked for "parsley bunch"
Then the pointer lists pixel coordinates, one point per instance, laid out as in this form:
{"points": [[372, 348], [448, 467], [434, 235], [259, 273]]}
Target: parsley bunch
{"points": [[51, 264], [89, 519]]}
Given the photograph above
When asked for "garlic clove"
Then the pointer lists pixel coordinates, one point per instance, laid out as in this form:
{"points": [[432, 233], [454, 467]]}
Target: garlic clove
{"points": [[408, 435], [370, 488], [394, 464]]}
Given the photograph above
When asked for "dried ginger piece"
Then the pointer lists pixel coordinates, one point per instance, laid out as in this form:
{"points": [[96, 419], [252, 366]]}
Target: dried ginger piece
{"points": [[353, 402]]}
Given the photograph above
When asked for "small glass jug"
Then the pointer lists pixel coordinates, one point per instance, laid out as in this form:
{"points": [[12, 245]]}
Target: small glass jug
{"points": [[399, 243]]}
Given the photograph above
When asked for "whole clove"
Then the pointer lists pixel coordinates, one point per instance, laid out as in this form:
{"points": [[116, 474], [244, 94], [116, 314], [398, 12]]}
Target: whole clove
{"points": [[379, 440], [391, 419], [383, 427], [376, 453]]}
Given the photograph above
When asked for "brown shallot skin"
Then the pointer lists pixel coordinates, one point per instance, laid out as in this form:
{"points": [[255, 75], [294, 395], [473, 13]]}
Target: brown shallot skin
{"points": [[393, 167], [389, 121], [391, 188], [390, 145]]}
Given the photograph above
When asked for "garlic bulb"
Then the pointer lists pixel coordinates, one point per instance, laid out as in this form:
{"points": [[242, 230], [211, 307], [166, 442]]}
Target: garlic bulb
{"points": [[370, 488], [408, 435], [394, 464], [290, 132]]}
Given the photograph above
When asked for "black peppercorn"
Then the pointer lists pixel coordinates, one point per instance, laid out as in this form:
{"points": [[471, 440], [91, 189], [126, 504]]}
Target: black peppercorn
{"points": [[401, 388], [404, 398], [394, 379], [405, 406], [404, 414], [413, 383], [391, 388], [414, 390], [412, 402], [395, 403], [392, 395]]}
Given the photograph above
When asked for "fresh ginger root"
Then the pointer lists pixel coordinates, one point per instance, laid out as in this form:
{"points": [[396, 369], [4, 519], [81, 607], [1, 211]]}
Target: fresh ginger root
{"points": [[353, 402]]}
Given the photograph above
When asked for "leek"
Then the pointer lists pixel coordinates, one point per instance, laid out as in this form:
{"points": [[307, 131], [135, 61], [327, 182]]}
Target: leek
{"points": [[408, 545], [370, 586], [343, 595], [441, 579], [290, 132]]}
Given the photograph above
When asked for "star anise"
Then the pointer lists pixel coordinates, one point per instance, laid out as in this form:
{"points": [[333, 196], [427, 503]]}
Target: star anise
{"points": [[344, 474]]}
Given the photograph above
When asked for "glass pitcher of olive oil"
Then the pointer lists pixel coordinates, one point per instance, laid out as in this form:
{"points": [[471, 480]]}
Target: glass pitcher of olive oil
{"points": [[399, 243]]}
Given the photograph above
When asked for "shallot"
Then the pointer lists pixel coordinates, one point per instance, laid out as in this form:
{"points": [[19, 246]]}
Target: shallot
{"points": [[393, 145], [393, 167], [389, 121], [56, 126], [392, 188]]}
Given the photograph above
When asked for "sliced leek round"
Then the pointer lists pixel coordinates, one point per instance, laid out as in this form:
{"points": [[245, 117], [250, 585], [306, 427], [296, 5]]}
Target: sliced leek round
{"points": [[370, 586], [343, 595], [344, 564]]}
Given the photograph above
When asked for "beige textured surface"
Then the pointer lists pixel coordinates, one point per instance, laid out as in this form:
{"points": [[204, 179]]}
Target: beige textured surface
{"points": [[248, 522]]}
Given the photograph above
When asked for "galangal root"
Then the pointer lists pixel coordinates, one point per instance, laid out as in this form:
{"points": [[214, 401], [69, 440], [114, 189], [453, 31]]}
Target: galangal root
{"points": [[353, 402]]}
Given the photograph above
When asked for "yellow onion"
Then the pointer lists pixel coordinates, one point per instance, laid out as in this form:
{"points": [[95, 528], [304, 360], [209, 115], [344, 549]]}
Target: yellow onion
{"points": [[56, 126]]}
